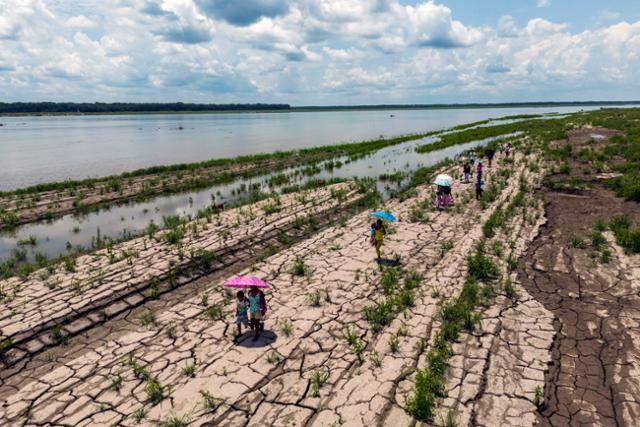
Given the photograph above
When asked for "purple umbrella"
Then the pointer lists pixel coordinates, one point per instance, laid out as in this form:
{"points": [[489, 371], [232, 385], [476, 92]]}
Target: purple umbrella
{"points": [[244, 282]]}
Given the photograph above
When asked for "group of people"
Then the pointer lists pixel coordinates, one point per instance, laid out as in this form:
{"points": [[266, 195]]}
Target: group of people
{"points": [[250, 311], [469, 163]]}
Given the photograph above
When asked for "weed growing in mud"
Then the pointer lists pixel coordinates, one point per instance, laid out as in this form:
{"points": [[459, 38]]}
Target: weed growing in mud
{"points": [[509, 289], [394, 344], [374, 357], [482, 268], [139, 415], [148, 319], [171, 330], [599, 225], [497, 248], [537, 399], [299, 268], [626, 236], [5, 346], [445, 247], [605, 256], [354, 342], [512, 263], [189, 370], [273, 357], [155, 391], [577, 242], [209, 401], [597, 240], [283, 238], [318, 379], [213, 312], [58, 335], [69, 264], [286, 327], [139, 371], [176, 420], [450, 419], [116, 383]]}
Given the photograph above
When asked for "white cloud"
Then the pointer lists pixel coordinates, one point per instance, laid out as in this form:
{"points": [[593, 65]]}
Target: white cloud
{"points": [[79, 21], [303, 52], [543, 3]]}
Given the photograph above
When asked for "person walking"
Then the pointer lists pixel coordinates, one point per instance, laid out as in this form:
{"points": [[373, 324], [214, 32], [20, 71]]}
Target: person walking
{"points": [[257, 307], [478, 189], [466, 169], [490, 152], [379, 237]]}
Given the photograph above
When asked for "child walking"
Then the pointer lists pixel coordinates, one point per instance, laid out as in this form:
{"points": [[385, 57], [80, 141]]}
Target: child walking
{"points": [[242, 305]]}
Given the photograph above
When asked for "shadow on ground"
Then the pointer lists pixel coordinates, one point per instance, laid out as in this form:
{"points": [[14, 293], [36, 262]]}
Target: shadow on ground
{"points": [[265, 339]]}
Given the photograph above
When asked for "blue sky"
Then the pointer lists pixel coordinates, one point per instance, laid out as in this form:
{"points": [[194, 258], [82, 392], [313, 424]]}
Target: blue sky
{"points": [[319, 52]]}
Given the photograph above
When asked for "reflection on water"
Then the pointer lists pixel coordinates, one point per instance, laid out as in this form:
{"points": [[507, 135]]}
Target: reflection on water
{"points": [[54, 238]]}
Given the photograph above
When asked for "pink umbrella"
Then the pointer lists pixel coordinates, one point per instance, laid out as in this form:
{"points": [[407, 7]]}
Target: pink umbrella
{"points": [[244, 282]]}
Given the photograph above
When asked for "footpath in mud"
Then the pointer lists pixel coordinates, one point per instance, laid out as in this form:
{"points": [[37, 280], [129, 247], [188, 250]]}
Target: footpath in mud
{"points": [[591, 287]]}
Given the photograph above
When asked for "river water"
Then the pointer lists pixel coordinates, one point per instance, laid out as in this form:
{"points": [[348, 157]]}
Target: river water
{"points": [[41, 149], [116, 140]]}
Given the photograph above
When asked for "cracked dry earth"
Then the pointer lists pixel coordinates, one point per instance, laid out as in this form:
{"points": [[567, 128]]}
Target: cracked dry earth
{"points": [[594, 378], [91, 380]]}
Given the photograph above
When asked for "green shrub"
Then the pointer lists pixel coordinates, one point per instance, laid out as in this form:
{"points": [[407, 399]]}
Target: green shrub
{"points": [[482, 268], [299, 268]]}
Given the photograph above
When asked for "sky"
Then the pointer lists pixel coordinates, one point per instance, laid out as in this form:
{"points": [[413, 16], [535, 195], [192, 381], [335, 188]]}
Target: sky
{"points": [[319, 52]]}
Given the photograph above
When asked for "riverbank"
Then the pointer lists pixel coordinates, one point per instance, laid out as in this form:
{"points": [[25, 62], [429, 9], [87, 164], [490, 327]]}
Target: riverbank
{"points": [[471, 318]]}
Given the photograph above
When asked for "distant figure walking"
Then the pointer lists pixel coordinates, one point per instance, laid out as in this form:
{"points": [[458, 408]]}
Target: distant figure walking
{"points": [[466, 169], [478, 189], [472, 157], [479, 170], [507, 149], [490, 152], [379, 237]]}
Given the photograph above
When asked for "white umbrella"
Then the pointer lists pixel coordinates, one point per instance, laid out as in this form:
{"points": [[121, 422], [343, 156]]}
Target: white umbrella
{"points": [[443, 180]]}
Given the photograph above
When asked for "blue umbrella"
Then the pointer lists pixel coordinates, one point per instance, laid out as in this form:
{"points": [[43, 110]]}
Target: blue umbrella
{"points": [[384, 215]]}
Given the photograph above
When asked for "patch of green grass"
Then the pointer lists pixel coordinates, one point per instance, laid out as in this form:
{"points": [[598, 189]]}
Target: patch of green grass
{"points": [[578, 242], [299, 268], [318, 379], [213, 312], [537, 399], [175, 420], [480, 267], [189, 370], [445, 247], [509, 289], [59, 336], [273, 357], [139, 414], [116, 383], [148, 319], [394, 344], [154, 390], [286, 327], [210, 403]]}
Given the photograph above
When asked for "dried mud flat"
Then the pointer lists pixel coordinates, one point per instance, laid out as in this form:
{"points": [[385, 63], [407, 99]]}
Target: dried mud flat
{"points": [[124, 341], [594, 378]]}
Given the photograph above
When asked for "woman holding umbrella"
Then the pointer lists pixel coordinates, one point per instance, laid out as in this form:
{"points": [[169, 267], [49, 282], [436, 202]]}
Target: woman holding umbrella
{"points": [[256, 301], [380, 230]]}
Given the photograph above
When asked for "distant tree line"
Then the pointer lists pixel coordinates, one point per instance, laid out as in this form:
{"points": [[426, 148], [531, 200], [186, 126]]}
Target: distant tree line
{"points": [[127, 107]]}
